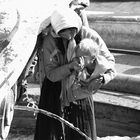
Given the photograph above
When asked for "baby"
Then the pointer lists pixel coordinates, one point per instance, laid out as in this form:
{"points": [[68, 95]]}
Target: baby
{"points": [[93, 65]]}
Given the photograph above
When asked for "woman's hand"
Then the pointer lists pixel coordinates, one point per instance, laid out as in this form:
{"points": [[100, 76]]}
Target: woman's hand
{"points": [[95, 84], [75, 65]]}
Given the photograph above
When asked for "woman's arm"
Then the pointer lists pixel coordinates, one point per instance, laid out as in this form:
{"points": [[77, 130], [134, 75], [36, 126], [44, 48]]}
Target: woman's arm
{"points": [[104, 51], [55, 70]]}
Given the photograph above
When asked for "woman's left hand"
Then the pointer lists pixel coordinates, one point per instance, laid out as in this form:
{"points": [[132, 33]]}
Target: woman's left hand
{"points": [[95, 84]]}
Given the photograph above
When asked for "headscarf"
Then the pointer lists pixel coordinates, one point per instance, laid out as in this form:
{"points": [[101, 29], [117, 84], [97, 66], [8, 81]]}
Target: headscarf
{"points": [[63, 18]]}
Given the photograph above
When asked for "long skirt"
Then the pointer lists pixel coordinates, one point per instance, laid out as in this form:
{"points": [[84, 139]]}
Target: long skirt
{"points": [[48, 128], [81, 115]]}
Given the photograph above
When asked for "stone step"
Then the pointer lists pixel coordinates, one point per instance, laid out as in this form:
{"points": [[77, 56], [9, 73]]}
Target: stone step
{"points": [[124, 83], [117, 31], [117, 113], [128, 74], [107, 96]]}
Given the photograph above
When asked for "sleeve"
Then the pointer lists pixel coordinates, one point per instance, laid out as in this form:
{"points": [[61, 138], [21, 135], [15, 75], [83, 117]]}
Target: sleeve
{"points": [[52, 66], [84, 18], [104, 51]]}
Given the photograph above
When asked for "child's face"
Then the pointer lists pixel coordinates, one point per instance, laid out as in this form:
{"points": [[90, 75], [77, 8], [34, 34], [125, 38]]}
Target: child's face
{"points": [[87, 58], [89, 61]]}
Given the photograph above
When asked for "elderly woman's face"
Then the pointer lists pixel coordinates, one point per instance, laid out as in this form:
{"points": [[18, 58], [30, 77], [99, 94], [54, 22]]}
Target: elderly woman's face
{"points": [[68, 33]]}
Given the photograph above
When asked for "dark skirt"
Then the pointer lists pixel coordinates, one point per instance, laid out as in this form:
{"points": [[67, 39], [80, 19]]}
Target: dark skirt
{"points": [[48, 128], [81, 115]]}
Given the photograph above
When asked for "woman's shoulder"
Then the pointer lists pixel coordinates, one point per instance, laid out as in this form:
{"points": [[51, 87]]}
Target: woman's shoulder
{"points": [[49, 42], [88, 32]]}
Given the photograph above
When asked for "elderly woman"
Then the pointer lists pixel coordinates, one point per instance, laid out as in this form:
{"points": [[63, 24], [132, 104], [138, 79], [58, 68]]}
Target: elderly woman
{"points": [[64, 32]]}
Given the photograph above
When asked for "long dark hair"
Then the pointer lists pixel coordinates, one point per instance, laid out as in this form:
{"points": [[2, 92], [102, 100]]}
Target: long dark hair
{"points": [[78, 37]]}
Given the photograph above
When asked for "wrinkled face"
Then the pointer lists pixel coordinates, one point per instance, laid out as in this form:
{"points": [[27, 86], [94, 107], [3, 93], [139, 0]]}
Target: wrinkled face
{"points": [[86, 55], [68, 33]]}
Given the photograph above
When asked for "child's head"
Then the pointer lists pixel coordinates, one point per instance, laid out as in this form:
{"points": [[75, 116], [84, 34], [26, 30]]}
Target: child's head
{"points": [[87, 51], [87, 47]]}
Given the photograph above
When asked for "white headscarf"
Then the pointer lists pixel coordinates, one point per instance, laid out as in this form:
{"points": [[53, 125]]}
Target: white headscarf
{"points": [[63, 18]]}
